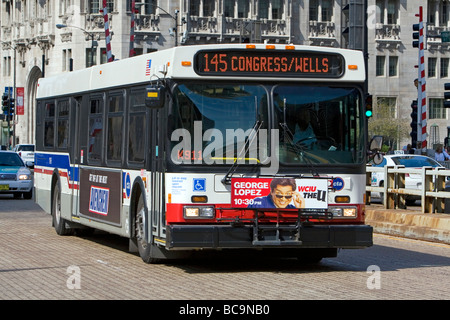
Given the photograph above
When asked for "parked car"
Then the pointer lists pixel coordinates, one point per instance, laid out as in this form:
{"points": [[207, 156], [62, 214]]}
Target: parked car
{"points": [[412, 180], [26, 152], [15, 177]]}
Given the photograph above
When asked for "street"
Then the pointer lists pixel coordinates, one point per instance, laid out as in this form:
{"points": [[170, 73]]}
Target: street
{"points": [[36, 263]]}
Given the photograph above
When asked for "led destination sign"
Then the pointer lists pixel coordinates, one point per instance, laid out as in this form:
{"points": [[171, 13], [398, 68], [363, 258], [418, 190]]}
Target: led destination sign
{"points": [[268, 63]]}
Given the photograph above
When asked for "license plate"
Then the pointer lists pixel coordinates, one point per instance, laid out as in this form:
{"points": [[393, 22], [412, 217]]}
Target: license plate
{"points": [[4, 187]]}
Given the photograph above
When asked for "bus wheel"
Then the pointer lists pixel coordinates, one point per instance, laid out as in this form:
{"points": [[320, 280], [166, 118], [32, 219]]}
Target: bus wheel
{"points": [[146, 250], [58, 222]]}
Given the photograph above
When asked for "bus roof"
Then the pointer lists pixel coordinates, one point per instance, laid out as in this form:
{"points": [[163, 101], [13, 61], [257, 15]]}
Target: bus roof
{"points": [[178, 63]]}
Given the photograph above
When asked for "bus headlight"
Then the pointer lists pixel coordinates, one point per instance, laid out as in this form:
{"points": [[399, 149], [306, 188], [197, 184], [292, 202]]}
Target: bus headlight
{"points": [[344, 212], [203, 212]]}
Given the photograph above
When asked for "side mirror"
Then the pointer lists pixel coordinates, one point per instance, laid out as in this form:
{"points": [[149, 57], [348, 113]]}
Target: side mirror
{"points": [[374, 149], [376, 143], [155, 97]]}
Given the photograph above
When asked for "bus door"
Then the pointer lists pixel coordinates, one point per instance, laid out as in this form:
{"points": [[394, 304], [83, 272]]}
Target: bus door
{"points": [[75, 153], [157, 166]]}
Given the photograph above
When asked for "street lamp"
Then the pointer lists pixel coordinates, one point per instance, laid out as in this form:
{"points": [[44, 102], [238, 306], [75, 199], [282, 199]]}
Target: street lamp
{"points": [[173, 31], [94, 43]]}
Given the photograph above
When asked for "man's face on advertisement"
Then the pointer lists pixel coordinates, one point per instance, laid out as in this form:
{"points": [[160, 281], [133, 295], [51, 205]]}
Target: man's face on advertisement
{"points": [[282, 195]]}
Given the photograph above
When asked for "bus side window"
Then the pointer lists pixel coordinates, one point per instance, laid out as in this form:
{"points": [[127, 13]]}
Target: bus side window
{"points": [[137, 129], [49, 125], [63, 124], [115, 127], [95, 130]]}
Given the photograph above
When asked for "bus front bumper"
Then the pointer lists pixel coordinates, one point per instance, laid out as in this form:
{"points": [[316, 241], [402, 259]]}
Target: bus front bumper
{"points": [[229, 236]]}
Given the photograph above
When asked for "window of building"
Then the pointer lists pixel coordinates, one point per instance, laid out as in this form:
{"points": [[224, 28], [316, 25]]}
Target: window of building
{"points": [[66, 59], [194, 7], [91, 57], [243, 8], [208, 8], [7, 66], [321, 10], [444, 67], [148, 7], [203, 8], [228, 8], [380, 66], [386, 107], [387, 11], [103, 56], [393, 66], [392, 12], [263, 9], [96, 6], [432, 65], [436, 109], [270, 9], [438, 13]]}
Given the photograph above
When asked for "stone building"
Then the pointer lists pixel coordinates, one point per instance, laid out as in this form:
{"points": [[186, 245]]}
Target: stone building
{"points": [[33, 46]]}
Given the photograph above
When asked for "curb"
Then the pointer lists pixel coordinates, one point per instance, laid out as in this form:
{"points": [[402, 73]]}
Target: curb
{"points": [[410, 224]]}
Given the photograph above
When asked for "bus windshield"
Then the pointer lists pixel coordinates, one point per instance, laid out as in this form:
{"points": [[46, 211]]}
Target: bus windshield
{"points": [[223, 123], [319, 124]]}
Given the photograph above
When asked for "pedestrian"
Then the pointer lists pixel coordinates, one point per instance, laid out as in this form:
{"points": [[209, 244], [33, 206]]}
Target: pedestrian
{"points": [[440, 154], [409, 149]]}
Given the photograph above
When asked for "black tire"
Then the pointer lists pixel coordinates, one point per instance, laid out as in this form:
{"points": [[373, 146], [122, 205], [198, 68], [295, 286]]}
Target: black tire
{"points": [[146, 250], [58, 222]]}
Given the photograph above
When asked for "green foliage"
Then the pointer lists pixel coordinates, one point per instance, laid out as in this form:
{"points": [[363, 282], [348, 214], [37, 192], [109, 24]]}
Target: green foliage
{"points": [[385, 123]]}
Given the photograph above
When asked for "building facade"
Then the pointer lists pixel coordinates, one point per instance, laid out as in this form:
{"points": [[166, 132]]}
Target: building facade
{"points": [[41, 38]]}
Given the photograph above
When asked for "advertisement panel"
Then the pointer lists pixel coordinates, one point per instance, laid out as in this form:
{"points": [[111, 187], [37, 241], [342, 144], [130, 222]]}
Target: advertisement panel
{"points": [[101, 194], [287, 193]]}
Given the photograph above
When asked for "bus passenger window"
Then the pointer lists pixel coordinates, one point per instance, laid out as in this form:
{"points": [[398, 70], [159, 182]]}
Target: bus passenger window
{"points": [[63, 124], [95, 130], [49, 125], [115, 128], [137, 128]]}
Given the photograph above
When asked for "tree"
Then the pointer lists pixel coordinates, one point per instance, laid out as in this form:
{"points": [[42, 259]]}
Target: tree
{"points": [[386, 123]]}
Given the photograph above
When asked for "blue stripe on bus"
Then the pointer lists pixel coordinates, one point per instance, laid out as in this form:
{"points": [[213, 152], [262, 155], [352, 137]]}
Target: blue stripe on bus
{"points": [[59, 161]]}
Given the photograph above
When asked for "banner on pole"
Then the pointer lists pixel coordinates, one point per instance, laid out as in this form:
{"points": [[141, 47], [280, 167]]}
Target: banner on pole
{"points": [[20, 106]]}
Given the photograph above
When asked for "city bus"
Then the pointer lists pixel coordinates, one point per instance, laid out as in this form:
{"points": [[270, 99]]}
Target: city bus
{"points": [[222, 147]]}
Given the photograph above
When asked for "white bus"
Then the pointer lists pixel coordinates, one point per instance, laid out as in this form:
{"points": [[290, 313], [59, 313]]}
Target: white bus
{"points": [[231, 146]]}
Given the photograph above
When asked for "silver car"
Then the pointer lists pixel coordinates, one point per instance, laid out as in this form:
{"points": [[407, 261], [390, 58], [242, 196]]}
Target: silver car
{"points": [[15, 177], [26, 152]]}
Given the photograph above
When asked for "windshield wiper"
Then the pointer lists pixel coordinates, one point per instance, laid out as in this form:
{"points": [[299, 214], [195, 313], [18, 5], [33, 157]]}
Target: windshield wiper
{"points": [[253, 133]]}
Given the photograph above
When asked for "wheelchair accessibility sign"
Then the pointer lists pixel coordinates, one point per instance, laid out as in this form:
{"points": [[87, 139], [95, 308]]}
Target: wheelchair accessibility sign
{"points": [[199, 184]]}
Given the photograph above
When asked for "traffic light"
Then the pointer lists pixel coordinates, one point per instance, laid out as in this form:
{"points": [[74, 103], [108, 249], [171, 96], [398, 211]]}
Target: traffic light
{"points": [[369, 106], [413, 133], [447, 95], [5, 103], [11, 107], [415, 35]]}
